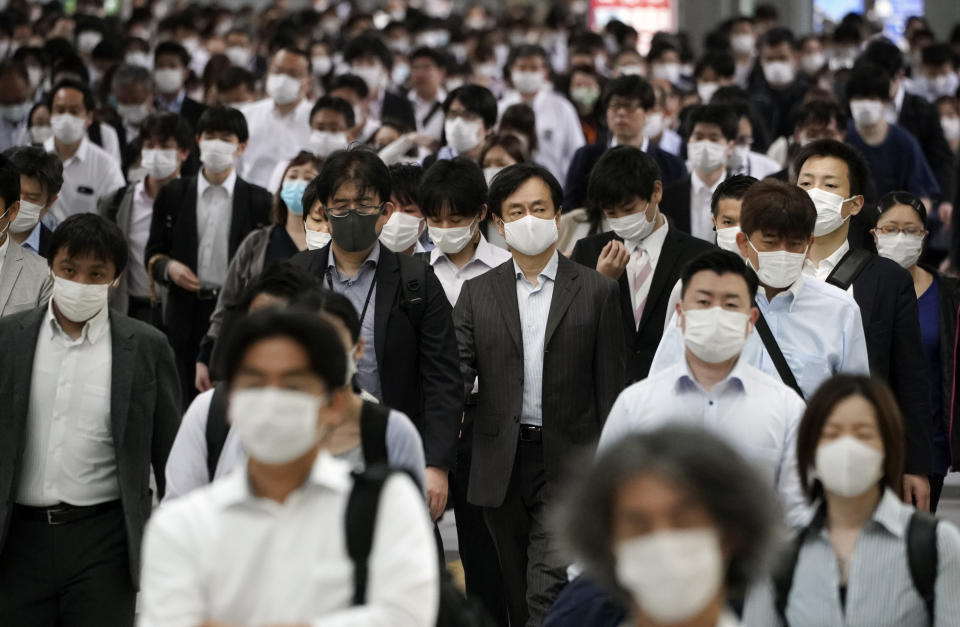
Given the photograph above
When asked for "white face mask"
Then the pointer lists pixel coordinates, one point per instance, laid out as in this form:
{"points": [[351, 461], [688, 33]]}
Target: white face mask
{"points": [[133, 115], [829, 215], [69, 129], [490, 173], [743, 43], [27, 217], [324, 143], [811, 63], [848, 467], [372, 75], [739, 158], [951, 128], [942, 85], [88, 40], [727, 239], [707, 156], [672, 575], [778, 269], [40, 134], [275, 426], [159, 164], [866, 112], [317, 239], [666, 71], [527, 82], [15, 113], [715, 334], [706, 91], [902, 248], [239, 55], [454, 239], [401, 231], [779, 72], [217, 155], [634, 227], [141, 59], [531, 235], [632, 70], [653, 125], [321, 65], [35, 74], [79, 302], [462, 135], [283, 89], [169, 80]]}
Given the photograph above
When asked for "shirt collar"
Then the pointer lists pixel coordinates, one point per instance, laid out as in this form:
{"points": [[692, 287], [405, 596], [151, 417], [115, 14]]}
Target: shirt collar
{"points": [[5, 245], [173, 105], [697, 186], [93, 330], [792, 292], [32, 242], [228, 184], [326, 472], [643, 147], [373, 258], [441, 97], [889, 514], [829, 263], [485, 254], [80, 155], [734, 377], [652, 243], [549, 271]]}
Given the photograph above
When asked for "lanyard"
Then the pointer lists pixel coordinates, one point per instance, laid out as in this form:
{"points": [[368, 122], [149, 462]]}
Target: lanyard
{"points": [[366, 302]]}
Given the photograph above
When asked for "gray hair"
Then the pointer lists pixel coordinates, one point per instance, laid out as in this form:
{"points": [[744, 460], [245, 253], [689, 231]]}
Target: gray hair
{"points": [[132, 76], [709, 470]]}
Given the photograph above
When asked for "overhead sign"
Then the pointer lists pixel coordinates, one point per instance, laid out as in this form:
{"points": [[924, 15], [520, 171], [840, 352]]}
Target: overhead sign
{"points": [[646, 16]]}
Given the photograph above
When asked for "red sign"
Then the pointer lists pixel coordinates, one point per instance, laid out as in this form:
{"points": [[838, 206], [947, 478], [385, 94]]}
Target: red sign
{"points": [[646, 16]]}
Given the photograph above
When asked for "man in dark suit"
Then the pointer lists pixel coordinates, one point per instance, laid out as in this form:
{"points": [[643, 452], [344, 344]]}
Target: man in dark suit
{"points": [[198, 223], [643, 253], [834, 174], [171, 69], [538, 334], [371, 60], [627, 101], [410, 359], [41, 176], [92, 403]]}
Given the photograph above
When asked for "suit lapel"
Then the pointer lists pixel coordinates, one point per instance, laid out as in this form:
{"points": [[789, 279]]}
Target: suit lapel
{"points": [[669, 256], [187, 223], [12, 266], [240, 215], [23, 348], [564, 290], [864, 292], [388, 282], [123, 347], [505, 291]]}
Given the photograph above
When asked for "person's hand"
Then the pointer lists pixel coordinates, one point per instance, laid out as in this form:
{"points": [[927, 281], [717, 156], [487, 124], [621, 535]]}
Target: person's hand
{"points": [[916, 491], [424, 141], [202, 379], [613, 259], [183, 276], [945, 213], [437, 484]]}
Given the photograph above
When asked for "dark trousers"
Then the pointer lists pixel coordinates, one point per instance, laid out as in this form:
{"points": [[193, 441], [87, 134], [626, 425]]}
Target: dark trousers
{"points": [[531, 569], [188, 319], [75, 574], [936, 488], [142, 309], [478, 555]]}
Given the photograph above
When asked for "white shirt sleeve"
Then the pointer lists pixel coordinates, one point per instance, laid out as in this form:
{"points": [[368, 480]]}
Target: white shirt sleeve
{"points": [[187, 464], [670, 350], [111, 141], [854, 359], [675, 298], [797, 510], [616, 425], [112, 177]]}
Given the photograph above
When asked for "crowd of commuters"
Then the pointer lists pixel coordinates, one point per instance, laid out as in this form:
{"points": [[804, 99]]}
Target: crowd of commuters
{"points": [[414, 313]]}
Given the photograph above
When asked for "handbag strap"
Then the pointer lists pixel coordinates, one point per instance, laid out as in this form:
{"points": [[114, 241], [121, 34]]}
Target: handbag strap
{"points": [[773, 349]]}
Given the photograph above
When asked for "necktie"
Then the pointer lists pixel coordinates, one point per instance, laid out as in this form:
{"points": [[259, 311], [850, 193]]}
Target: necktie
{"points": [[641, 282]]}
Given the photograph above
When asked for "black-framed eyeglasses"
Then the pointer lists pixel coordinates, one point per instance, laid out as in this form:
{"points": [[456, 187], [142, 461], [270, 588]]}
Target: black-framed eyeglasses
{"points": [[341, 211]]}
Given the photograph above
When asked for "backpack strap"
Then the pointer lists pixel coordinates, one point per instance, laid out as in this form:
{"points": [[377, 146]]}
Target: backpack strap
{"points": [[361, 518], [114, 207], [432, 112], [217, 427], [95, 134], [413, 285], [922, 557], [373, 433], [773, 348], [782, 574], [849, 268]]}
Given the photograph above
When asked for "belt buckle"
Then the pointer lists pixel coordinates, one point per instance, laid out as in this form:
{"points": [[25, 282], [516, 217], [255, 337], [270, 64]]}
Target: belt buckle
{"points": [[50, 514]]}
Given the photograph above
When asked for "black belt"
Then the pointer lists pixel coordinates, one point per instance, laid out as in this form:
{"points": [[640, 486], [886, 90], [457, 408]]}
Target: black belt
{"points": [[531, 433], [62, 513], [208, 293]]}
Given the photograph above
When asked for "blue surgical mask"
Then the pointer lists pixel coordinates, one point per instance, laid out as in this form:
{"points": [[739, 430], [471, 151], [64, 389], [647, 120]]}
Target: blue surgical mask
{"points": [[292, 195]]}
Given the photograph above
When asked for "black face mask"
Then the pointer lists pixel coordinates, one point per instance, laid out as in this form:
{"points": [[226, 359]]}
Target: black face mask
{"points": [[355, 231]]}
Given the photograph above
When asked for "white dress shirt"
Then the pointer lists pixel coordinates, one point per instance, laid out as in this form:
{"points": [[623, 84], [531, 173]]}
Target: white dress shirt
{"points": [[652, 245], [273, 138], [421, 108], [214, 215], [701, 218], [138, 283], [534, 303], [69, 454], [755, 413], [89, 175], [670, 141], [758, 165], [13, 135], [3, 250], [559, 133], [485, 257], [822, 270], [817, 326], [222, 553]]}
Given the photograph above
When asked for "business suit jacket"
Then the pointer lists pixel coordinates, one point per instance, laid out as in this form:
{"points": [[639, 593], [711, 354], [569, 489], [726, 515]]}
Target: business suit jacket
{"points": [[922, 120], [173, 233], [397, 107], [641, 342], [191, 110], [416, 352], [44, 245], [888, 306], [675, 204], [24, 280], [118, 207], [575, 191], [144, 413], [583, 371]]}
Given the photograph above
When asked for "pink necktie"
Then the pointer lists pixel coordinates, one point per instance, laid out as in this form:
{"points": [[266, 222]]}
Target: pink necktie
{"points": [[641, 282]]}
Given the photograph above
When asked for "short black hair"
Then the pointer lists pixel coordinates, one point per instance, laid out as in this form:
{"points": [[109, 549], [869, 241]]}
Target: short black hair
{"points": [[290, 48], [172, 48], [368, 46], [721, 115], [405, 182], [339, 105], [332, 304], [721, 262], [164, 126], [36, 163], [938, 54], [89, 233], [884, 53], [520, 117], [316, 336], [822, 112], [512, 177], [525, 51], [900, 197], [720, 61], [352, 82], [868, 81], [15, 67], [89, 102], [437, 57], [282, 280], [734, 187], [359, 165], [222, 119], [622, 175], [234, 77], [857, 168], [477, 100], [630, 87], [660, 47], [9, 183], [457, 185], [131, 75], [777, 36], [778, 207]]}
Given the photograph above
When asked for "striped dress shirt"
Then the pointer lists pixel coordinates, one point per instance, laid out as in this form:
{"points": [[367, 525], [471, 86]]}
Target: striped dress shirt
{"points": [[534, 303], [880, 592]]}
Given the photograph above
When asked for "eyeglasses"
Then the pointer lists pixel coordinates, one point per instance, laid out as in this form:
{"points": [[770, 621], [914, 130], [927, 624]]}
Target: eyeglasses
{"points": [[627, 105], [340, 211], [889, 229]]}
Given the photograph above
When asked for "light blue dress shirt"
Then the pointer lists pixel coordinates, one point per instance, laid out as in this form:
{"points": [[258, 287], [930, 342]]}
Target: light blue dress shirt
{"points": [[32, 243], [817, 327], [534, 304]]}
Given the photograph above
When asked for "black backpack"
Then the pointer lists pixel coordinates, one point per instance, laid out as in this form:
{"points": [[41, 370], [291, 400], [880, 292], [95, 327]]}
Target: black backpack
{"points": [[921, 541], [455, 609]]}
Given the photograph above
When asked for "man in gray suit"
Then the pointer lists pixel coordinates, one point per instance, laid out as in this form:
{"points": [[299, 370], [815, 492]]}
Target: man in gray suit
{"points": [[543, 337], [91, 401], [24, 277]]}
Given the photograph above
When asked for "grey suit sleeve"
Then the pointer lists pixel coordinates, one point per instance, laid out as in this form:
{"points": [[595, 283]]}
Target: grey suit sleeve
{"points": [[463, 323], [46, 291], [610, 352], [167, 408]]}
